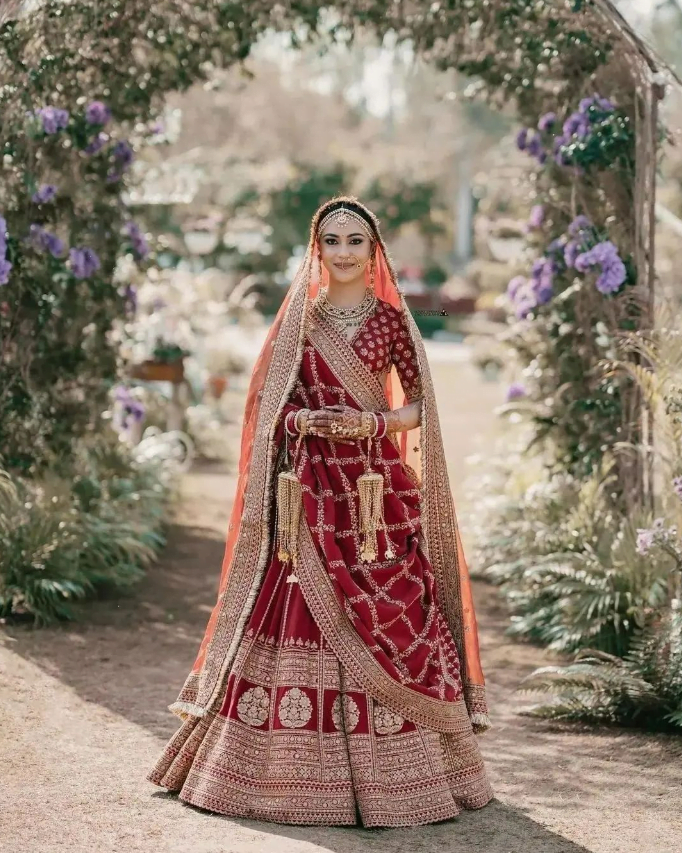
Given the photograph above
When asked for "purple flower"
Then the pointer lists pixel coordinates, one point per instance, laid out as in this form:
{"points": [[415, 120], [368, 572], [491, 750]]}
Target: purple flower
{"points": [[113, 176], [612, 276], [538, 267], [604, 104], [534, 146], [97, 112], [577, 124], [645, 540], [5, 267], [571, 252], [605, 255], [600, 254], [580, 223], [516, 391], [45, 241], [130, 406], [123, 153], [572, 124], [524, 305], [136, 409], [542, 280], [522, 139], [515, 285], [677, 486], [547, 121], [84, 262], [55, 246], [537, 215], [52, 118], [543, 291], [3, 236], [44, 194], [137, 239], [96, 143]]}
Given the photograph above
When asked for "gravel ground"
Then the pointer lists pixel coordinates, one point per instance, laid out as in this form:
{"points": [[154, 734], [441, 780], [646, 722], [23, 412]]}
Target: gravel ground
{"points": [[84, 717]]}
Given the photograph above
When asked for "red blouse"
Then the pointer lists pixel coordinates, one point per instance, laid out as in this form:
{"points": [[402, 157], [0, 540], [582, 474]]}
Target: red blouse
{"points": [[385, 339]]}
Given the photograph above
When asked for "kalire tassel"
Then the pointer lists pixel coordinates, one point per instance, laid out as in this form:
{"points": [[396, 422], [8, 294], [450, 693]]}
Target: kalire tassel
{"points": [[371, 493], [289, 505]]}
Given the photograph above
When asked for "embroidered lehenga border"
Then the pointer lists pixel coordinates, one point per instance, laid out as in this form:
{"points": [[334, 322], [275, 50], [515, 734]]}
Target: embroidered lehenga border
{"points": [[298, 740]]}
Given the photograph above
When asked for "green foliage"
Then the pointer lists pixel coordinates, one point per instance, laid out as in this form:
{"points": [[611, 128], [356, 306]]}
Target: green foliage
{"points": [[580, 574], [58, 358], [401, 201], [565, 560], [66, 538], [643, 689]]}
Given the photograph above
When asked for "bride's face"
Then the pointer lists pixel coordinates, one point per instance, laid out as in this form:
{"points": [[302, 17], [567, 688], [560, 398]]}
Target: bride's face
{"points": [[345, 251]]}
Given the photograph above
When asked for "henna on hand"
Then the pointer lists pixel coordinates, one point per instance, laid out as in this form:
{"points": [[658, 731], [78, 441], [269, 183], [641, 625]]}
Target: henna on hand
{"points": [[406, 417], [347, 419]]}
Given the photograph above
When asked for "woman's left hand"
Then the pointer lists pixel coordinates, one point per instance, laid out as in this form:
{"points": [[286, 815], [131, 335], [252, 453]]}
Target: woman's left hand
{"points": [[320, 422]]}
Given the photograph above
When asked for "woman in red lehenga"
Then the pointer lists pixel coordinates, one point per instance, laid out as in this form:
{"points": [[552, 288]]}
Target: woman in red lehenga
{"points": [[338, 681]]}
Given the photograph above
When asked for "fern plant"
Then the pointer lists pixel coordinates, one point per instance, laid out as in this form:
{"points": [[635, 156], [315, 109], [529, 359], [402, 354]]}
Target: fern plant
{"points": [[65, 538], [567, 563], [642, 689]]}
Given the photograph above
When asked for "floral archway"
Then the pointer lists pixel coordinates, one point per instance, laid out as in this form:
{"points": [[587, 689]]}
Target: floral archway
{"points": [[82, 86]]}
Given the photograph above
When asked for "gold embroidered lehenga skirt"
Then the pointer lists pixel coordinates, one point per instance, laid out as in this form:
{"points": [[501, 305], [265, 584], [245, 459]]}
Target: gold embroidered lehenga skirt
{"points": [[298, 741]]}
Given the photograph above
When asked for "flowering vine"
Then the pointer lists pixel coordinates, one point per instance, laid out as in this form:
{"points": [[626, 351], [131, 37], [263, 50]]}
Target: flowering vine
{"points": [[581, 249], [597, 134]]}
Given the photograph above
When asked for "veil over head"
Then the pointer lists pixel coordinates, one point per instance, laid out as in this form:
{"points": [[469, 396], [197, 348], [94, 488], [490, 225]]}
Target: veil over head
{"points": [[250, 527]]}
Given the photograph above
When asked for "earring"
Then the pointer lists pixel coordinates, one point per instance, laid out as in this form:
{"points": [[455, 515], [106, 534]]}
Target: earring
{"points": [[319, 266], [372, 270]]}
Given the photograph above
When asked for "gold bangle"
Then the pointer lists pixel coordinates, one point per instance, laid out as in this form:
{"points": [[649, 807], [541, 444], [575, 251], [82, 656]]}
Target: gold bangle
{"points": [[303, 425]]}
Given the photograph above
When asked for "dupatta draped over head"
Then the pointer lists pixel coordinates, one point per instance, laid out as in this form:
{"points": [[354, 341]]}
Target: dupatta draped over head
{"points": [[251, 526]]}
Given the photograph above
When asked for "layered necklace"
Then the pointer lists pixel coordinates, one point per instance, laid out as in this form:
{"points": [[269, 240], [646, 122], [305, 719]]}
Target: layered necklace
{"points": [[346, 318]]}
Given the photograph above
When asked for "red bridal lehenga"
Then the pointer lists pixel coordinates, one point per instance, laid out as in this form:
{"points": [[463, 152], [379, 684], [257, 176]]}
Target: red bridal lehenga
{"points": [[338, 691]]}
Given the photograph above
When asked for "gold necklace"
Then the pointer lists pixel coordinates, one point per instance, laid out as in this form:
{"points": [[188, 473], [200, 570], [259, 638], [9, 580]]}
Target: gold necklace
{"points": [[346, 317]]}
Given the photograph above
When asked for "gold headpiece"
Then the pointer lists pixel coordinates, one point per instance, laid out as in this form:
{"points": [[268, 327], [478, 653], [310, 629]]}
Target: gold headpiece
{"points": [[342, 216]]}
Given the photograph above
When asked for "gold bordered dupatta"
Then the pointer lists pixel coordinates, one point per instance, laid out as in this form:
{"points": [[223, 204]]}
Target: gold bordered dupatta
{"points": [[252, 519]]}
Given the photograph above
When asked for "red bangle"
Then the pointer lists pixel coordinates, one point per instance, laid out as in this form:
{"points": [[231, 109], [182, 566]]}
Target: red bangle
{"points": [[288, 425], [383, 417]]}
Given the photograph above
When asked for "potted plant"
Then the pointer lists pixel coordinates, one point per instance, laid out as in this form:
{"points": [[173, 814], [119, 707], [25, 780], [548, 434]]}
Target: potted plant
{"points": [[165, 365]]}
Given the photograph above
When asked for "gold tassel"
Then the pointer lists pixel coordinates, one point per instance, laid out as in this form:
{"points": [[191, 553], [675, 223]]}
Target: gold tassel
{"points": [[371, 493], [289, 504]]}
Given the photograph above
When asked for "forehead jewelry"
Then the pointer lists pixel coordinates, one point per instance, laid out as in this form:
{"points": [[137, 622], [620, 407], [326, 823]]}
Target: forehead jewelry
{"points": [[343, 216]]}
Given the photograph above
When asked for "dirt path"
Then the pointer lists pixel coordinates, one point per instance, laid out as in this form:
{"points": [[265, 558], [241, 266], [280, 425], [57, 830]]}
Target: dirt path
{"points": [[84, 717]]}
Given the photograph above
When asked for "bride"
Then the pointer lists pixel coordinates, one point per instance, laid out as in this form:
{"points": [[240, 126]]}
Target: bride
{"points": [[339, 680]]}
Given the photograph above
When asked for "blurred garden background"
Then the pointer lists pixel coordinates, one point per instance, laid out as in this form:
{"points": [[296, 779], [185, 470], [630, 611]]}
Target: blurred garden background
{"points": [[160, 167]]}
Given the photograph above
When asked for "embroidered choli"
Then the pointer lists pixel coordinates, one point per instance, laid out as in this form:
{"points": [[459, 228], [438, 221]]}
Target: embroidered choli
{"points": [[385, 339], [382, 340]]}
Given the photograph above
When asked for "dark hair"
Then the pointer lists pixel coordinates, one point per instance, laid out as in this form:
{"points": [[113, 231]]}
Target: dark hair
{"points": [[347, 201]]}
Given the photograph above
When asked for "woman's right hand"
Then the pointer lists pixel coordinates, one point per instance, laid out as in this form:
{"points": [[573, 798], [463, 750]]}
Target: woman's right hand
{"points": [[319, 424]]}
